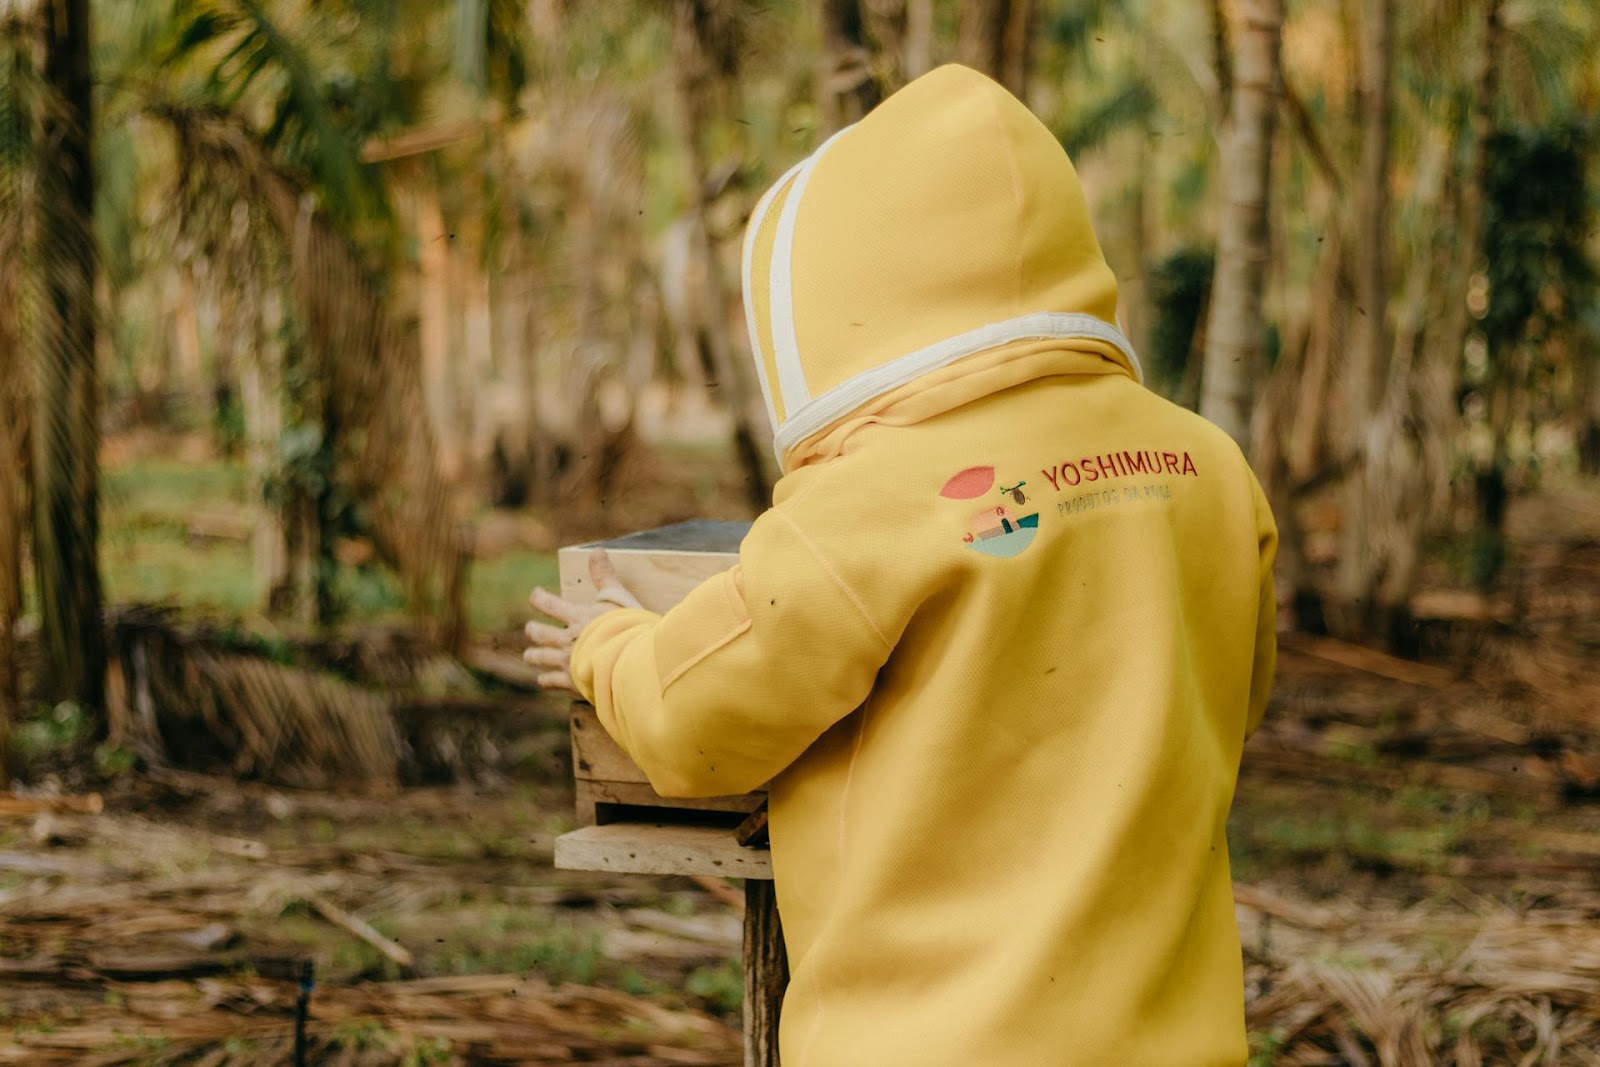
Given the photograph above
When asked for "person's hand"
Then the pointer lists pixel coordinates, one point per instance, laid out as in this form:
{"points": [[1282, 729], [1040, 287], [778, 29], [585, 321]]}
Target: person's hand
{"points": [[552, 645]]}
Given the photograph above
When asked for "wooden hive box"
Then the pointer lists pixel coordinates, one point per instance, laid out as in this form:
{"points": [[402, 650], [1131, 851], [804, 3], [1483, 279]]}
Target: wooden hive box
{"points": [[660, 567]]}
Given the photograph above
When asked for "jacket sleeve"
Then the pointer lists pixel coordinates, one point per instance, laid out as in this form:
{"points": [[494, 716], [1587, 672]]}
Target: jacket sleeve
{"points": [[1266, 650], [730, 686]]}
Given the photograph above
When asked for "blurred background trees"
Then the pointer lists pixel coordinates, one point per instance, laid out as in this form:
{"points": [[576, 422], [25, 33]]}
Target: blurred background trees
{"points": [[411, 263]]}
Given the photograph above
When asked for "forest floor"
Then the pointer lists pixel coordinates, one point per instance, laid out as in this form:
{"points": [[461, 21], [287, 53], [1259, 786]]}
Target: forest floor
{"points": [[1416, 849]]}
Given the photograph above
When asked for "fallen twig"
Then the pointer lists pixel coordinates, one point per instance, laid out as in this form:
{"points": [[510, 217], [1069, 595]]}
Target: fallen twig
{"points": [[1369, 660], [14, 806], [362, 929]]}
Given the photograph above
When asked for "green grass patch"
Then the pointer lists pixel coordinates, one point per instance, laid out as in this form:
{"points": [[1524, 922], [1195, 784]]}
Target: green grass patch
{"points": [[159, 564], [167, 490], [498, 588], [149, 553], [720, 985], [1417, 828]]}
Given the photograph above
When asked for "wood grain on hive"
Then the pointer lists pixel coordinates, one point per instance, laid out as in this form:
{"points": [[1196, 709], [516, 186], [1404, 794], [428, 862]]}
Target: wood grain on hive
{"points": [[659, 567]]}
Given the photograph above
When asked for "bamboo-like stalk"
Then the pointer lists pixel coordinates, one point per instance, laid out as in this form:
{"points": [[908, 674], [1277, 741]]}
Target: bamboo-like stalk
{"points": [[996, 37], [1356, 614], [1234, 337], [694, 89]]}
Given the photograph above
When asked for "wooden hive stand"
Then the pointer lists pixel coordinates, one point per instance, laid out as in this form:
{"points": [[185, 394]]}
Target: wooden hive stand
{"points": [[625, 827]]}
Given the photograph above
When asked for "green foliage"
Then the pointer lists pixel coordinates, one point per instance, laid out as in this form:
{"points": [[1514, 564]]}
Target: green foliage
{"points": [[1538, 218], [1264, 1046], [566, 956], [498, 597], [112, 761], [1126, 104], [1538, 215], [62, 729], [251, 57], [720, 985]]}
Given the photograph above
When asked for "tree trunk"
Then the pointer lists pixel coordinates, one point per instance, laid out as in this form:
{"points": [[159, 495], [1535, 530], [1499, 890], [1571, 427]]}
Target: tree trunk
{"points": [[1234, 357], [917, 51], [541, 456], [13, 502], [888, 22], [14, 405], [13, 480], [996, 37], [1137, 306], [694, 71], [66, 427], [1468, 233], [1587, 396], [187, 349], [1406, 461], [846, 87], [1269, 453], [1490, 487], [434, 253], [1326, 338], [1361, 563]]}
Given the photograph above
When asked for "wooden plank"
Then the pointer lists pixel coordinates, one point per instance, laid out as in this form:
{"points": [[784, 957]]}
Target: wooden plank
{"points": [[597, 757], [766, 974], [753, 832], [660, 848], [595, 754], [660, 567]]}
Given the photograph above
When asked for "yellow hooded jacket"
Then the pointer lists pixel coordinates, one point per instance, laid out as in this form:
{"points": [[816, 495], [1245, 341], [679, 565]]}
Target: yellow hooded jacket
{"points": [[1000, 638]]}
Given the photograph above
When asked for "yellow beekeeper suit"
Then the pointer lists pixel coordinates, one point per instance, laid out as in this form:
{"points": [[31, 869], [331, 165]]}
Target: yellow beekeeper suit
{"points": [[1000, 638]]}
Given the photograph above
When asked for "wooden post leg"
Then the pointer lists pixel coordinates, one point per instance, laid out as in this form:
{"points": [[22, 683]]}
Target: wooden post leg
{"points": [[766, 973]]}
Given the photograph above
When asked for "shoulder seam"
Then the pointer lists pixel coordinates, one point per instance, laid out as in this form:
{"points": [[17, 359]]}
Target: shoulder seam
{"points": [[832, 572]]}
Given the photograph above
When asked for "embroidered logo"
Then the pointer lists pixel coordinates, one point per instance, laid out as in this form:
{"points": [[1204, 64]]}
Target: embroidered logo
{"points": [[996, 529]]}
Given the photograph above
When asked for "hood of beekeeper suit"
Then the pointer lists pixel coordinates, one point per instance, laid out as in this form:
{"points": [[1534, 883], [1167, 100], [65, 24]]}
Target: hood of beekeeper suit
{"points": [[914, 262]]}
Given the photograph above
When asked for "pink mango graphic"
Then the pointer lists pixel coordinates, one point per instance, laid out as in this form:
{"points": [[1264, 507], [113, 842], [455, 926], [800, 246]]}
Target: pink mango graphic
{"points": [[969, 484]]}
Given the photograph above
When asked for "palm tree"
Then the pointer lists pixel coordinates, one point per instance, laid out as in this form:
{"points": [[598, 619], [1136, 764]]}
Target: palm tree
{"points": [[335, 357], [15, 161], [996, 37], [65, 428]]}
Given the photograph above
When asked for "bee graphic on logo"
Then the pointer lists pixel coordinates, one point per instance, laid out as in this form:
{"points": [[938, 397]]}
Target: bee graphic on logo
{"points": [[1015, 492]]}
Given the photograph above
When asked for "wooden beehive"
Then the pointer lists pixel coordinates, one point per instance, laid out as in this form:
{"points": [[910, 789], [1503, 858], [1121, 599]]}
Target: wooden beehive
{"points": [[660, 567]]}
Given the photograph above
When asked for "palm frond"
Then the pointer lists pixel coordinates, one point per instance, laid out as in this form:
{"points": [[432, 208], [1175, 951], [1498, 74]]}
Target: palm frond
{"points": [[1129, 103], [241, 45], [363, 358]]}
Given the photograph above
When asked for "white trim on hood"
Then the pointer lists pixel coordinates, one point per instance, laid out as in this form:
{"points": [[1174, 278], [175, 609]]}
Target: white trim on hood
{"points": [[785, 342], [757, 217], [816, 414]]}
